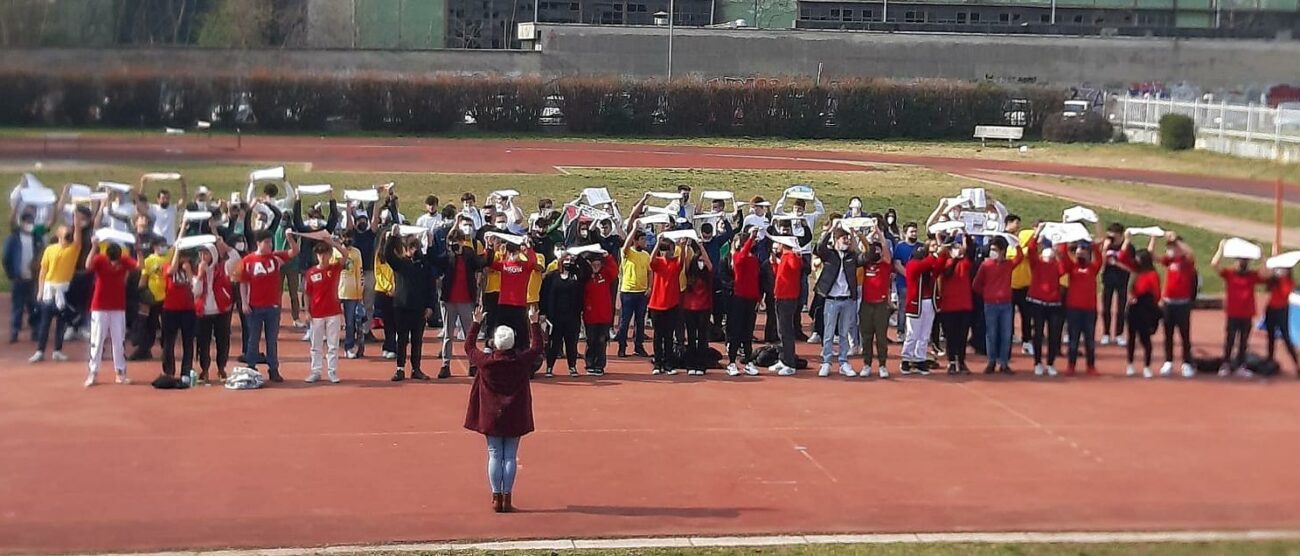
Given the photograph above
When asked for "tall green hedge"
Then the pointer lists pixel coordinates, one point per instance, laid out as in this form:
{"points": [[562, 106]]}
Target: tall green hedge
{"points": [[858, 108], [1177, 132]]}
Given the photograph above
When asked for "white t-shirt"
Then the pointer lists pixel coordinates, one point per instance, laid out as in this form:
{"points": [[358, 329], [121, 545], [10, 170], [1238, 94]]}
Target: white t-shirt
{"points": [[164, 222]]}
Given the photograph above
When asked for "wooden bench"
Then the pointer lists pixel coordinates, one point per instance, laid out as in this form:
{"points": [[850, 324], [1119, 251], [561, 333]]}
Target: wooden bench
{"points": [[1010, 133]]}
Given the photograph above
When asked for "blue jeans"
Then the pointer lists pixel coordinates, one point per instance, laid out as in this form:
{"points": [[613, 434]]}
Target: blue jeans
{"points": [[50, 313], [354, 318], [997, 332], [840, 316], [631, 306], [502, 452], [263, 321], [23, 308]]}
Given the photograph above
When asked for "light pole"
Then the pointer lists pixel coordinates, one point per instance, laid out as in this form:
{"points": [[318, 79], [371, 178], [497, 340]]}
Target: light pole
{"points": [[670, 38], [1053, 12]]}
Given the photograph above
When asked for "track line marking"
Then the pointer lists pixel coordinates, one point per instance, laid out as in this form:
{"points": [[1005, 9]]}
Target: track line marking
{"points": [[1060, 437], [817, 464]]}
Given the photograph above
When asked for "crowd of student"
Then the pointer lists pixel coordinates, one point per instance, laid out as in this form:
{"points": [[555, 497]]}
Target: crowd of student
{"points": [[184, 272]]}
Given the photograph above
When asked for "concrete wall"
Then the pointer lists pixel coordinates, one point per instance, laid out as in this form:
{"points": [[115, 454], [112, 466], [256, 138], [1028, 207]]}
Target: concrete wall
{"points": [[642, 52]]}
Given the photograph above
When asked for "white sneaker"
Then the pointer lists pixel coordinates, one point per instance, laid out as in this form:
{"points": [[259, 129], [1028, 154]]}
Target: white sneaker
{"points": [[1244, 373], [334, 377], [656, 372], [1039, 369], [1051, 370], [1121, 341], [774, 368], [58, 356], [847, 370], [121, 379], [90, 381], [884, 372], [1188, 370], [1167, 369], [390, 355], [1131, 371], [306, 336], [312, 378], [670, 372], [1027, 348], [1224, 371], [1146, 372], [732, 370], [751, 370], [69, 335], [815, 338], [36, 357], [825, 370], [1105, 339], [786, 371], [350, 354], [866, 371]]}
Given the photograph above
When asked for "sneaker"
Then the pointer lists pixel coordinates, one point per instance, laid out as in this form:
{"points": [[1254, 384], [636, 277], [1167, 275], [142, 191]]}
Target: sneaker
{"points": [[36, 357], [1224, 371], [312, 378], [952, 368], [417, 374], [444, 372], [399, 376], [1167, 369], [883, 372], [550, 373], [815, 338], [732, 370], [1027, 348], [847, 370], [349, 354], [69, 335], [641, 352], [1146, 372], [786, 371], [1131, 370], [90, 381], [921, 370], [1121, 341], [1051, 370], [670, 372], [1039, 369], [962, 368], [1243, 372], [776, 367], [573, 372], [58, 356], [1188, 370], [825, 370], [1006, 370], [122, 379], [390, 355], [596, 372], [657, 371], [990, 368], [334, 377], [1105, 339], [751, 370]]}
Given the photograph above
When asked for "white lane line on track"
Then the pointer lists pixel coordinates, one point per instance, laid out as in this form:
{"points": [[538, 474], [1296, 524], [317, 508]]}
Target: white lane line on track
{"points": [[803, 450]]}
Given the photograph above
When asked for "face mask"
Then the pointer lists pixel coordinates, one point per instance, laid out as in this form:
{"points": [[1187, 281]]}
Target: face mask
{"points": [[363, 226], [890, 219], [1045, 256], [583, 233], [28, 228], [701, 264], [995, 255], [569, 267], [165, 204], [501, 226], [841, 247], [1170, 253]]}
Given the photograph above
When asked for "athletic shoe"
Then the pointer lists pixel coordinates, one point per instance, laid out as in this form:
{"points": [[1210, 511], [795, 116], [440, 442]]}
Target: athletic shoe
{"points": [[883, 372], [732, 370], [90, 381], [641, 352], [1167, 369], [776, 367], [1224, 370], [389, 355], [1188, 370], [1027, 348], [417, 374], [905, 367], [1006, 370], [58, 356], [825, 370], [657, 371], [349, 354], [122, 379], [670, 372], [312, 378], [1105, 339], [1039, 369], [444, 372], [1243, 372], [751, 370], [990, 368], [1051, 371], [36, 357], [847, 370], [550, 373], [921, 369], [596, 372], [334, 377], [1146, 372], [399, 376], [1121, 341], [815, 338], [785, 371], [962, 368], [952, 368], [69, 335], [1131, 370]]}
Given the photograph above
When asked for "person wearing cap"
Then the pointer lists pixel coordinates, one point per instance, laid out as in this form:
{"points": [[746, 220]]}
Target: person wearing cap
{"points": [[1181, 283], [213, 303], [1239, 284], [838, 287], [201, 199], [458, 264], [501, 401], [108, 308], [787, 269], [599, 276], [1082, 266]]}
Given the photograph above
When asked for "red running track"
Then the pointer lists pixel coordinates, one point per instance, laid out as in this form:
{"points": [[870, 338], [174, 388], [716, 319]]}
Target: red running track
{"points": [[122, 468], [541, 156]]}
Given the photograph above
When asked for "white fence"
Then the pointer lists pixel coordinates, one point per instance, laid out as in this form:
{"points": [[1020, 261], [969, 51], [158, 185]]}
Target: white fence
{"points": [[1247, 130]]}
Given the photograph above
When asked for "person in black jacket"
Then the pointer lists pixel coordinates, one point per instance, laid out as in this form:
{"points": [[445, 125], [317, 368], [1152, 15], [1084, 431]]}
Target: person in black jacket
{"points": [[838, 287], [561, 297], [411, 298], [458, 263]]}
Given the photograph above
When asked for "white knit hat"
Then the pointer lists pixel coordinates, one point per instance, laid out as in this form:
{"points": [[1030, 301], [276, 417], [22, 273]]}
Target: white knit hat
{"points": [[503, 338]]}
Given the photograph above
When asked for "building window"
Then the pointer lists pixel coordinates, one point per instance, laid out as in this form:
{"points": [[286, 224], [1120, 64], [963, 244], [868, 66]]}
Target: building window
{"points": [[961, 17], [1004, 18], [974, 17], [848, 15], [1078, 19], [835, 13], [1044, 18]]}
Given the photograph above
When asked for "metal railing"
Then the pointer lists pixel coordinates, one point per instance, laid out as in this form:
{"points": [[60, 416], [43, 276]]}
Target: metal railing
{"points": [[1212, 119]]}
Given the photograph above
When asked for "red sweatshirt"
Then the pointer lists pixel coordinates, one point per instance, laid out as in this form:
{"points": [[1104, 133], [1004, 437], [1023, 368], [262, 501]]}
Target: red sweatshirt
{"points": [[1180, 278], [876, 279], [745, 266], [666, 282], [1147, 283], [1279, 291], [597, 297], [514, 276], [955, 285], [1045, 282], [920, 276], [788, 273], [1239, 293], [993, 280], [1082, 291]]}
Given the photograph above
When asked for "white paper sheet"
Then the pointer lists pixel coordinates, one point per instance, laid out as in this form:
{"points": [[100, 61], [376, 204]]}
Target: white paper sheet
{"points": [[37, 196], [408, 230], [161, 176], [322, 235], [193, 242], [1153, 231], [1237, 248], [1065, 232], [593, 213], [1012, 240], [976, 221], [715, 195], [1285, 260], [976, 196], [709, 216], [509, 238], [680, 234], [197, 215], [665, 195], [361, 195], [1079, 214], [114, 236], [115, 186], [597, 195], [806, 195], [858, 223], [91, 197], [789, 241], [276, 173], [506, 194], [593, 248], [948, 226], [656, 219], [319, 189]]}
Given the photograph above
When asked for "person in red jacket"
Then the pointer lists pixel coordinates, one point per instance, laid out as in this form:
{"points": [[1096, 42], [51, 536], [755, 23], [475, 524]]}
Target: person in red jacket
{"points": [[599, 275], [1180, 292], [697, 306], [743, 308], [1083, 267], [873, 312], [214, 304], [1045, 304], [787, 267], [501, 400], [1239, 283], [993, 284], [920, 273], [665, 296], [108, 308], [956, 303], [1277, 317], [1143, 316]]}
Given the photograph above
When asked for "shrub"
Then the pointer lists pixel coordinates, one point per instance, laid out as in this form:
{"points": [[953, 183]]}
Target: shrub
{"points": [[428, 105], [19, 94], [1177, 132], [506, 104], [687, 108], [1091, 127], [132, 100], [581, 100]]}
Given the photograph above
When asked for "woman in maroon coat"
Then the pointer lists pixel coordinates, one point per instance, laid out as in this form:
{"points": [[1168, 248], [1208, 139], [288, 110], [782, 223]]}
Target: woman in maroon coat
{"points": [[501, 402]]}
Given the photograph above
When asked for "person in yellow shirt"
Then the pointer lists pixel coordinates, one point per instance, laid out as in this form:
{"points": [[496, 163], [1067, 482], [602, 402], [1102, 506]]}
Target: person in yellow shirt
{"points": [[153, 289], [352, 295], [1020, 279], [58, 264], [633, 284], [384, 286]]}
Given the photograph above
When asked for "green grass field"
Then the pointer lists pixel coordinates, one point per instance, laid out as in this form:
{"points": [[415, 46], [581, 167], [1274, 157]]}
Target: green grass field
{"points": [[1239, 207], [1277, 548], [912, 191]]}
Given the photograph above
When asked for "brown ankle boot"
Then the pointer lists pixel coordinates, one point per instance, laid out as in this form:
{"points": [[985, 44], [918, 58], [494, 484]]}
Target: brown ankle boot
{"points": [[497, 498], [506, 506]]}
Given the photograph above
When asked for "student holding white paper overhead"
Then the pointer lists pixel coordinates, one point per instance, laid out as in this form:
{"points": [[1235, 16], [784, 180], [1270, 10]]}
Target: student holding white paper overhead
{"points": [[108, 308], [178, 315], [1114, 281], [58, 263], [163, 212], [260, 275], [1277, 314], [1180, 293], [1046, 314], [214, 304], [1239, 283], [1144, 313]]}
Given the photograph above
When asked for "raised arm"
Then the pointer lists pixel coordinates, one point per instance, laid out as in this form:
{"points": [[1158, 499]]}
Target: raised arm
{"points": [[332, 221], [1218, 254]]}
